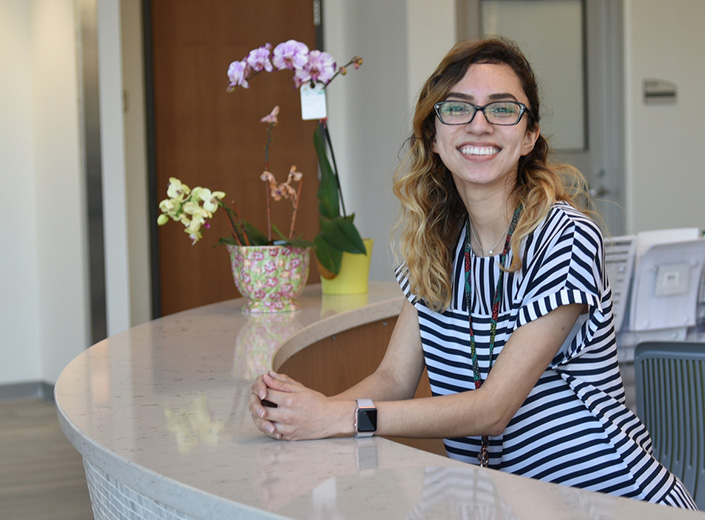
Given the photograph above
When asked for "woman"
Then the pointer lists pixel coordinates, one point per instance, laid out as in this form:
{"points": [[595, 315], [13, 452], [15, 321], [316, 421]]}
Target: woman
{"points": [[507, 304]]}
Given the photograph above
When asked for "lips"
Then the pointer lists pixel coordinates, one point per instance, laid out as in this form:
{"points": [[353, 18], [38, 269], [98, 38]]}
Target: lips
{"points": [[478, 150]]}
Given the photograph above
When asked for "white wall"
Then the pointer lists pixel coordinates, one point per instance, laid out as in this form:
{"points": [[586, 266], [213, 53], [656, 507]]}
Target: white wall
{"points": [[135, 141], [44, 314], [19, 288], [44, 285], [665, 172], [112, 151], [370, 108]]}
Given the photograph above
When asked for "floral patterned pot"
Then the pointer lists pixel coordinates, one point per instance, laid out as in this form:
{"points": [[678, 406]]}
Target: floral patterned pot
{"points": [[269, 277]]}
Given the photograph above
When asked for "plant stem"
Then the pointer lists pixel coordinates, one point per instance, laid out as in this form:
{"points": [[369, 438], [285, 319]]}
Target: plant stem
{"points": [[232, 227], [337, 72], [269, 210], [266, 147], [236, 236], [326, 137], [296, 208], [240, 225]]}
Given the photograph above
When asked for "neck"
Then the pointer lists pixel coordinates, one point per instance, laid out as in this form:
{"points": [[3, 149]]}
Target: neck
{"points": [[490, 219], [490, 208]]}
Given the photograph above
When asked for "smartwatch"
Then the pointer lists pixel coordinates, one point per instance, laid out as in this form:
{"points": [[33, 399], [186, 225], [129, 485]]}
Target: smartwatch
{"points": [[365, 418]]}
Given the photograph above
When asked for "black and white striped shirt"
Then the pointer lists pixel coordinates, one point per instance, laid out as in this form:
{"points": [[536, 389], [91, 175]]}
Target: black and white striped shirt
{"points": [[574, 427]]}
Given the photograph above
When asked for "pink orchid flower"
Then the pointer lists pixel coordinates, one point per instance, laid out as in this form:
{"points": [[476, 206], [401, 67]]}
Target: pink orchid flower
{"points": [[238, 73], [294, 175], [258, 59], [290, 55], [271, 118], [319, 68]]}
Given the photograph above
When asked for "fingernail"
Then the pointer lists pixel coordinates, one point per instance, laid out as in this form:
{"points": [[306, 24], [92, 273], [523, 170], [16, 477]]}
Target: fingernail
{"points": [[270, 429]]}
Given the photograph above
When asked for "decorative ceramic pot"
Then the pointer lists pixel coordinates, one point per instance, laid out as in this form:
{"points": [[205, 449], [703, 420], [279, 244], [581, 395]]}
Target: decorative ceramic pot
{"points": [[269, 277], [354, 273]]}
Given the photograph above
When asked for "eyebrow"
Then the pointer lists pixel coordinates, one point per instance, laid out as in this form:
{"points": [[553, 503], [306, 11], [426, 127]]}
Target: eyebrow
{"points": [[492, 97]]}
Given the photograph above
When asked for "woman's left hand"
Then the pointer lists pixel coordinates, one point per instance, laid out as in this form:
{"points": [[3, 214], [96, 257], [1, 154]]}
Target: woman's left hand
{"points": [[299, 412]]}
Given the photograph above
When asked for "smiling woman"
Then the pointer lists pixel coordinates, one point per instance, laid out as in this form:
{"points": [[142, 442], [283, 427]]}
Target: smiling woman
{"points": [[520, 346]]}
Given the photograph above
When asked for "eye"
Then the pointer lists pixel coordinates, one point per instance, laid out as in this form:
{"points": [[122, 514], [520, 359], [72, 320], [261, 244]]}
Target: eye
{"points": [[456, 109], [504, 109]]}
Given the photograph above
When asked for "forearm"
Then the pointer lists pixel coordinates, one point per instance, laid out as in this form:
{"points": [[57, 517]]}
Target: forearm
{"points": [[378, 386], [458, 415]]}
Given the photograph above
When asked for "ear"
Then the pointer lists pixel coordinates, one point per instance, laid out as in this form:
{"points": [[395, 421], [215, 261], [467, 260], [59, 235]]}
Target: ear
{"points": [[530, 138], [434, 148]]}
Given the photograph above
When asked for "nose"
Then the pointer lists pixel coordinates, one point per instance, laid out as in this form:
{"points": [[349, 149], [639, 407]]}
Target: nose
{"points": [[479, 120]]}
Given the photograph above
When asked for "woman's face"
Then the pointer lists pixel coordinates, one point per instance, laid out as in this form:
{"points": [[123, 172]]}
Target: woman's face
{"points": [[478, 154]]}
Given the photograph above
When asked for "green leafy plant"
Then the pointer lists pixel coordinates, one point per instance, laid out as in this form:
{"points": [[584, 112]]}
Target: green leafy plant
{"points": [[338, 233]]}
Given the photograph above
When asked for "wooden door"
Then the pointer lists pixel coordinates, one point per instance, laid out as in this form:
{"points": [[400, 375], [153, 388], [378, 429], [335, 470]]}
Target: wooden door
{"points": [[208, 137]]}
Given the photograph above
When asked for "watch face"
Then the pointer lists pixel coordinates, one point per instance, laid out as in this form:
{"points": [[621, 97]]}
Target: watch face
{"points": [[366, 420]]}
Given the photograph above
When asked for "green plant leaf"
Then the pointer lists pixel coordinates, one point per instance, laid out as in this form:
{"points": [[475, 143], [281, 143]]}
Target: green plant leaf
{"points": [[328, 186], [256, 237], [329, 257], [341, 233], [294, 242], [226, 241], [278, 232], [300, 242]]}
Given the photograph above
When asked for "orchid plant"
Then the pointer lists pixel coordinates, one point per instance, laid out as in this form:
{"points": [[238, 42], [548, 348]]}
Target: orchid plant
{"points": [[312, 68], [194, 208]]}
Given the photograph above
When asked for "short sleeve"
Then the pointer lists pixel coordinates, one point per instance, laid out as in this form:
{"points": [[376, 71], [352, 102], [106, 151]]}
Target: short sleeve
{"points": [[401, 273], [565, 266]]}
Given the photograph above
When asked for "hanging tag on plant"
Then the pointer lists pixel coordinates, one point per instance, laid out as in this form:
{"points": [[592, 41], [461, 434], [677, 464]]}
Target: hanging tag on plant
{"points": [[313, 102]]}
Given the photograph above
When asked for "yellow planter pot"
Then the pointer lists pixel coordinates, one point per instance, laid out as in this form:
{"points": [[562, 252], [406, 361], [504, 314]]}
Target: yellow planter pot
{"points": [[354, 273]]}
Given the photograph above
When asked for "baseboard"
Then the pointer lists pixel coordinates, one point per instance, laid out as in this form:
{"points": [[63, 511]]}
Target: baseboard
{"points": [[32, 390]]}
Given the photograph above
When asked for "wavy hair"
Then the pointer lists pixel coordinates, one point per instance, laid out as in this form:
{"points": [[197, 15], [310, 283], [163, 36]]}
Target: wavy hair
{"points": [[432, 212]]}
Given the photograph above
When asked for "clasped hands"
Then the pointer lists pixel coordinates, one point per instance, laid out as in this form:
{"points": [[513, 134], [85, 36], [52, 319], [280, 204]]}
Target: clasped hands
{"points": [[283, 408]]}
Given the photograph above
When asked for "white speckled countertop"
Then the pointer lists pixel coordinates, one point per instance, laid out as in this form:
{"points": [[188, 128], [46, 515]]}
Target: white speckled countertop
{"points": [[162, 409]]}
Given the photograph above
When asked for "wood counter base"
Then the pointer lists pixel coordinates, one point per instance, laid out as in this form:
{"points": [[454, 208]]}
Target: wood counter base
{"points": [[333, 364]]}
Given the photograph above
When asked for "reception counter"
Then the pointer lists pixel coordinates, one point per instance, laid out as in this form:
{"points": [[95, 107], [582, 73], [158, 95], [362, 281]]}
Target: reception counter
{"points": [[160, 415]]}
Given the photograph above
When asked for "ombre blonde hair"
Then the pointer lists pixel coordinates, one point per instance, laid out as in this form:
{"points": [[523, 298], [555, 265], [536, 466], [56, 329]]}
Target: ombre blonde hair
{"points": [[432, 213]]}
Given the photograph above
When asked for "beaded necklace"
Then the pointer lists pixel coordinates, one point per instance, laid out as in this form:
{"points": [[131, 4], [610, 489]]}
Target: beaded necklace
{"points": [[483, 456]]}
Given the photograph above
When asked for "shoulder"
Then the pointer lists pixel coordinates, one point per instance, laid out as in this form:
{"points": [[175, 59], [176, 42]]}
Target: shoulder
{"points": [[563, 214], [565, 223]]}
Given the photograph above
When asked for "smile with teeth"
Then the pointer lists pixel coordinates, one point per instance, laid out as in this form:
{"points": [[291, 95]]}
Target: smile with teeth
{"points": [[478, 150]]}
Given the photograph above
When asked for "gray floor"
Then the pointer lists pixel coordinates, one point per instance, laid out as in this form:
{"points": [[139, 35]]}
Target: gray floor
{"points": [[41, 474]]}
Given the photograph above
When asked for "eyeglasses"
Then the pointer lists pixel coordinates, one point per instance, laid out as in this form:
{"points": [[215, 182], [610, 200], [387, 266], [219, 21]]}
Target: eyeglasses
{"points": [[502, 113]]}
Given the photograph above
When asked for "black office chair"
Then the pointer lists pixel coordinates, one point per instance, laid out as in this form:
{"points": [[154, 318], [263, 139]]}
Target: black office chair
{"points": [[670, 399]]}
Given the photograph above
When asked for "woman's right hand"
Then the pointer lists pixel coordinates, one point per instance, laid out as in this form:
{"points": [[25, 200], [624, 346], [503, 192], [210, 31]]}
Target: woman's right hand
{"points": [[283, 408], [258, 405]]}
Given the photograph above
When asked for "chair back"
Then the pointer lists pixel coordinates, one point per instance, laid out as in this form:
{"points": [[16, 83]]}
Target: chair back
{"points": [[670, 398]]}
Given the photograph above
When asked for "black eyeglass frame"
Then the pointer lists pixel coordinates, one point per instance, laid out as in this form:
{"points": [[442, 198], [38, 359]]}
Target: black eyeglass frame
{"points": [[523, 109]]}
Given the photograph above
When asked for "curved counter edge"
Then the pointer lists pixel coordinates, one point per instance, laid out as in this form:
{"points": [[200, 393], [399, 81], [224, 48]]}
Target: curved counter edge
{"points": [[159, 414]]}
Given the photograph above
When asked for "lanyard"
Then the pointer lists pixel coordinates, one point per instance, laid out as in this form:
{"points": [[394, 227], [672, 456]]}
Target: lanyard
{"points": [[483, 456]]}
